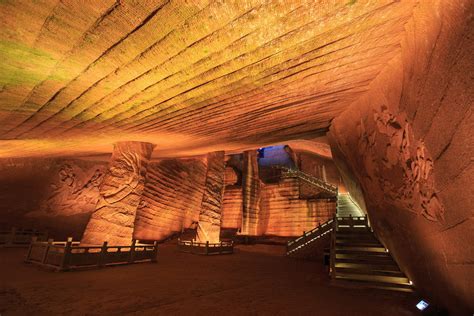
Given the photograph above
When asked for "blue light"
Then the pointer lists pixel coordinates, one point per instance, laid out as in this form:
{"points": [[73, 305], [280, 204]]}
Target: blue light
{"points": [[422, 305]]}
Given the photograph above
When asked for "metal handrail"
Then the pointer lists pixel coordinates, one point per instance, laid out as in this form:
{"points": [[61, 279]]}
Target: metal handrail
{"points": [[289, 172]]}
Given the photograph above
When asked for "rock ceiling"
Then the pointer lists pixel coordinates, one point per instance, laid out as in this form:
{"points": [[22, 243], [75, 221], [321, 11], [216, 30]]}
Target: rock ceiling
{"points": [[187, 75]]}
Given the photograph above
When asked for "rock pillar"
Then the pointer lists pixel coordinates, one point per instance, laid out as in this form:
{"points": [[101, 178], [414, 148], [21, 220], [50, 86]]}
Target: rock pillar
{"points": [[251, 187], [120, 195], [209, 225]]}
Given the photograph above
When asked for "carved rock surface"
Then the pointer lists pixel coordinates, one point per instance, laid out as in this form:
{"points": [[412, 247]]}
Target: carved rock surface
{"points": [[172, 198], [51, 193], [120, 195], [84, 75], [232, 207], [407, 146], [251, 187], [284, 214], [209, 224]]}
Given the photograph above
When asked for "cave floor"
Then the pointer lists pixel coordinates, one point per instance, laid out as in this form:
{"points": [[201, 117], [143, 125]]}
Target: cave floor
{"points": [[256, 280]]}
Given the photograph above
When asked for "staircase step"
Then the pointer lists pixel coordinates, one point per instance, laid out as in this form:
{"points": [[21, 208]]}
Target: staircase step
{"points": [[357, 229], [343, 281], [398, 281], [376, 267], [344, 258], [368, 270], [358, 243], [359, 249]]}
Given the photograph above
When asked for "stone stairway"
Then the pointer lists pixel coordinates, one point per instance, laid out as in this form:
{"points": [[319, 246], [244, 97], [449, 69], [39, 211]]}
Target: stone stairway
{"points": [[319, 183], [358, 259], [304, 245]]}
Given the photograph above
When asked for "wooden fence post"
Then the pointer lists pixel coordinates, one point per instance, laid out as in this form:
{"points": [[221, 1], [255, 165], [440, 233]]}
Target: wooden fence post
{"points": [[11, 239], [155, 251], [207, 247], [102, 254], [28, 254], [67, 255], [46, 250], [132, 251]]}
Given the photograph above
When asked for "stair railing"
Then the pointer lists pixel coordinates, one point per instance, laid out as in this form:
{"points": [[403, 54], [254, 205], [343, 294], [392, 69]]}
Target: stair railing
{"points": [[309, 237], [295, 173], [332, 256]]}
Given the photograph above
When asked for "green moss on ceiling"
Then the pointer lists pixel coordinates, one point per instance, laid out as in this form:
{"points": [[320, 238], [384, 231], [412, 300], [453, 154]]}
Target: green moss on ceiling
{"points": [[24, 65]]}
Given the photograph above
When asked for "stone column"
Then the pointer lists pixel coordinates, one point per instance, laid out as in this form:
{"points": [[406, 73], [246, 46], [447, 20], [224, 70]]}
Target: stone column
{"points": [[251, 187], [120, 195], [209, 225]]}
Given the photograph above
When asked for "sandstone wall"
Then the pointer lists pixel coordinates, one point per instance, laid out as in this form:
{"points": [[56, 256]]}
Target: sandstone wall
{"points": [[209, 223], [232, 207], [251, 194], [57, 195], [171, 199], [120, 195], [284, 214], [408, 148], [319, 166]]}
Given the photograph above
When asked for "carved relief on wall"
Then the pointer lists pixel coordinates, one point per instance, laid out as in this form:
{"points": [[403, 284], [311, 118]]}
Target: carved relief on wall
{"points": [[74, 190], [401, 164], [120, 194]]}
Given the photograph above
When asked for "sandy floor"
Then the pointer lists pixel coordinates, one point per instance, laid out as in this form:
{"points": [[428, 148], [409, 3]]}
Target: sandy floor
{"points": [[256, 280]]}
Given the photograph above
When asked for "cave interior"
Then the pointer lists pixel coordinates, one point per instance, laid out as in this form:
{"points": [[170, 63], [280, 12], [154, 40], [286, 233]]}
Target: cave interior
{"points": [[321, 150]]}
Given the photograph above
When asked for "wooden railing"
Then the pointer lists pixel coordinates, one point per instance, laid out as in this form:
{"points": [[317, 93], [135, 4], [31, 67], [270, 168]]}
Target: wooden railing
{"points": [[20, 237], [206, 248], [295, 173], [67, 255], [309, 237]]}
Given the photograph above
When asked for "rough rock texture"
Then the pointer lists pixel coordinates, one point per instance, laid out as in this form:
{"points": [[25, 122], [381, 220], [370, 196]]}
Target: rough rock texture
{"points": [[318, 166], [285, 214], [232, 207], [408, 144], [172, 198], [83, 75], [54, 194], [120, 195], [251, 187], [209, 223]]}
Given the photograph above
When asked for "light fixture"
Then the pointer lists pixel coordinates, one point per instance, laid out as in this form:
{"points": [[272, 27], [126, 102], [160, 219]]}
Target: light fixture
{"points": [[422, 305]]}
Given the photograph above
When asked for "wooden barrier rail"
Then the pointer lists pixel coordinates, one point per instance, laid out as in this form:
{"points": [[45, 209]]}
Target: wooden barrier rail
{"points": [[16, 237], [206, 248], [69, 255]]}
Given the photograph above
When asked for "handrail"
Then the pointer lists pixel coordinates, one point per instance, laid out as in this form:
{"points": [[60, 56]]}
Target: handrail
{"points": [[323, 229], [289, 172], [309, 237]]}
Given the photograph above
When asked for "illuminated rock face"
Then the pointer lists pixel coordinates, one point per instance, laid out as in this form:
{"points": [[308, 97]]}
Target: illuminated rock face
{"points": [[284, 213], [209, 224], [53, 194], [232, 207], [120, 195], [251, 187], [85, 75], [407, 146], [172, 198]]}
